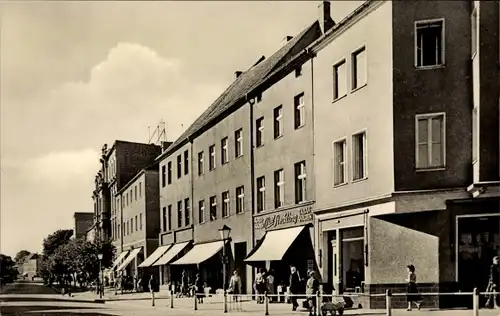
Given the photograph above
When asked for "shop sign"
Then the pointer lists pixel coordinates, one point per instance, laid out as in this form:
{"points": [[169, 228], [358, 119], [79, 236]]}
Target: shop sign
{"points": [[297, 216]]}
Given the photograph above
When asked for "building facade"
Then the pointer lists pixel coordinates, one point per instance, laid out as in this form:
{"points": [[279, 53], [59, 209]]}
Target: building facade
{"points": [[119, 164], [396, 167], [83, 222]]}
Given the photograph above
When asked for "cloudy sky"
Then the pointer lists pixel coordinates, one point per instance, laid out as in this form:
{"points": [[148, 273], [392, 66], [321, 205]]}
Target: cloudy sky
{"points": [[75, 75]]}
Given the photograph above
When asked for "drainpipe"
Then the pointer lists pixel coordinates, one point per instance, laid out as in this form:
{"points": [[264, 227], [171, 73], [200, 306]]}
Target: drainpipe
{"points": [[191, 164], [121, 224], [251, 102]]}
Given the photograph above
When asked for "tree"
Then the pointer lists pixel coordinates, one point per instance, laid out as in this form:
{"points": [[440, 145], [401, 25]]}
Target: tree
{"points": [[56, 239], [8, 273], [21, 255]]}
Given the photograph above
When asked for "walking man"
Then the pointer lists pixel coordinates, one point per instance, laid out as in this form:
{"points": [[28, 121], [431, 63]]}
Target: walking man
{"points": [[152, 288]]}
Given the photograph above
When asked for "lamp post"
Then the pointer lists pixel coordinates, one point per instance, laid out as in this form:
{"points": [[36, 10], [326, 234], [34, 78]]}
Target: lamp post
{"points": [[101, 287], [224, 232]]}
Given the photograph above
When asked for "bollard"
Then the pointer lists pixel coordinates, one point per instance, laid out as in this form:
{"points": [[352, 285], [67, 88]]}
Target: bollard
{"points": [[266, 302], [475, 302], [195, 301], [388, 307], [171, 298], [317, 305], [225, 301]]}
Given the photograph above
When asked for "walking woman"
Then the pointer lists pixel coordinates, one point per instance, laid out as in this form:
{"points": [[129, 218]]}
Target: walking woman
{"points": [[412, 293]]}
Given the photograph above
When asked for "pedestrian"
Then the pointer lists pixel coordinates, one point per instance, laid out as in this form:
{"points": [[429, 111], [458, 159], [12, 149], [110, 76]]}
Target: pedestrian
{"points": [[235, 285], [199, 288], [259, 285], [152, 288], [270, 285], [184, 283], [412, 291], [312, 288], [493, 284], [294, 282]]}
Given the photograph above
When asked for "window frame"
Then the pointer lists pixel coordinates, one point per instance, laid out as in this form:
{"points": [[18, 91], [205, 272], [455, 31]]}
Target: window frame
{"points": [[336, 95], [259, 132], [201, 211], [186, 162], [365, 155], [226, 201], [212, 157], [261, 191], [169, 172], [443, 42], [354, 68], [345, 162], [428, 117], [224, 150], [238, 143], [179, 166], [169, 217], [201, 163], [213, 207], [179, 214], [278, 128], [299, 110], [163, 176], [301, 177], [240, 199], [187, 209], [279, 188]]}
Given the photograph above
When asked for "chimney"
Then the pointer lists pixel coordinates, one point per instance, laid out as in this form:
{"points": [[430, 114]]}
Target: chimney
{"points": [[238, 73], [325, 16], [165, 145], [288, 38]]}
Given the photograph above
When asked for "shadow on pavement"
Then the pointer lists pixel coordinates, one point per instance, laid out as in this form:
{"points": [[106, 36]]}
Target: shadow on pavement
{"points": [[48, 299], [49, 311]]}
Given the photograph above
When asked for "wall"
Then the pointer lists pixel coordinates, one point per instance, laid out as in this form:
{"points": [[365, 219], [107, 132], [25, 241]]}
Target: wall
{"points": [[131, 158], [178, 190], [442, 89], [131, 210], [295, 145], [152, 201], [368, 108]]}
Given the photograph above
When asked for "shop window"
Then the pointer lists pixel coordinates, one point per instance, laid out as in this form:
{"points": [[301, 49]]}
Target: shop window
{"points": [[352, 259]]}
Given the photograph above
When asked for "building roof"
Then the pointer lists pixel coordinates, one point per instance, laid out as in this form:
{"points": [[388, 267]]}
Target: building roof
{"points": [[238, 90], [31, 256]]}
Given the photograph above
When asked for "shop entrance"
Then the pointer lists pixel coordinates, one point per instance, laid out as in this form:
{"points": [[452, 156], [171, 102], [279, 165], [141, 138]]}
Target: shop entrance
{"points": [[478, 241]]}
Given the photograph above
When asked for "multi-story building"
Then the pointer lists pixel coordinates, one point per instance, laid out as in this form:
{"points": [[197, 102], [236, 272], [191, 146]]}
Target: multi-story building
{"points": [[83, 222], [30, 266], [119, 164], [396, 87], [208, 175], [138, 223]]}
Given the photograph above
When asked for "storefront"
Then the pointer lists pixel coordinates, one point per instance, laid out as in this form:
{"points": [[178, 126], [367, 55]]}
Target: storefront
{"points": [[280, 236], [177, 242]]}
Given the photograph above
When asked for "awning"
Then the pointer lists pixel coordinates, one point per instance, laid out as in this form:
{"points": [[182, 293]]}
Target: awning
{"points": [[119, 259], [200, 253], [154, 256], [171, 253], [129, 259], [275, 244]]}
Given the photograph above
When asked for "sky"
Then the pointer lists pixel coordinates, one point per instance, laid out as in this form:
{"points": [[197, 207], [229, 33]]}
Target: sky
{"points": [[75, 75]]}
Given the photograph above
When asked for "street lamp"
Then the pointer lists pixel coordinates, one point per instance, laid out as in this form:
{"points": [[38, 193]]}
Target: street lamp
{"points": [[224, 232], [101, 288]]}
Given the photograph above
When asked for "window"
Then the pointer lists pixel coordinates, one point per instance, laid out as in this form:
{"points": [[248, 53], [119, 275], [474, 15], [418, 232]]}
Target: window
{"points": [[186, 162], [225, 204], [140, 189], [339, 162], [299, 111], [211, 162], [238, 143], [259, 137], [164, 214], [136, 224], [132, 225], [179, 166], [278, 124], [135, 192], [279, 188], [359, 69], [127, 198], [187, 218], [163, 176], [224, 157], [298, 71], [169, 171], [213, 208], [140, 221], [240, 199], [430, 141], [339, 80], [179, 214], [201, 166], [261, 194], [429, 43], [169, 217], [300, 182], [201, 211], [128, 227], [359, 156], [119, 230], [474, 32], [259, 97]]}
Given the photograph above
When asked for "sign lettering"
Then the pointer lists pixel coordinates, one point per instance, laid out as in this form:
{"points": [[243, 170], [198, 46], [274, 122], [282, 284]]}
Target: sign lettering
{"points": [[286, 218]]}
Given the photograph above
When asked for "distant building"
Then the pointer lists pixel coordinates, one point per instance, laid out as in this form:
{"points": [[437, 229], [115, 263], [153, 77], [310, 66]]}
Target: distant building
{"points": [[83, 222], [29, 267]]}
